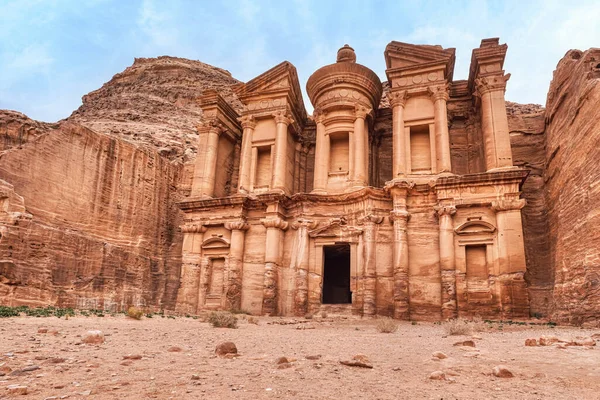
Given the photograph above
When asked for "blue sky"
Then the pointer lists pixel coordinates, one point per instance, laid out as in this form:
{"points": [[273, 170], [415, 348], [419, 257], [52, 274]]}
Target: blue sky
{"points": [[52, 52]]}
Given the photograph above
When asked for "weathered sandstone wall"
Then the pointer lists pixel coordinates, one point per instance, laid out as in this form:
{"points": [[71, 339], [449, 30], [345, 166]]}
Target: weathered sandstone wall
{"points": [[573, 185]]}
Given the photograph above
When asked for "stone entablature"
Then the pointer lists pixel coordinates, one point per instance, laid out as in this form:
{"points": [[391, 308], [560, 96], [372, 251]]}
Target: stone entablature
{"points": [[300, 222]]}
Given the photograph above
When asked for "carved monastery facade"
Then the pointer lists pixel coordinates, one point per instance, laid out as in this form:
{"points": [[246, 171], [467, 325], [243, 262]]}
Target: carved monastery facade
{"points": [[411, 211]]}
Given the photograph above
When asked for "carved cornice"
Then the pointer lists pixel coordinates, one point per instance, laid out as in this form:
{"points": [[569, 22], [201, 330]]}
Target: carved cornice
{"points": [[439, 92], [239, 225], [193, 228], [247, 121], [282, 118], [362, 112], [492, 83], [274, 222], [508, 204], [398, 98], [445, 210]]}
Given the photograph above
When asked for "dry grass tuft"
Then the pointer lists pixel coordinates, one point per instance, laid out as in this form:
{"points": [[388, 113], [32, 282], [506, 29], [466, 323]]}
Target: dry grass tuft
{"points": [[460, 326], [387, 325], [222, 319], [135, 313], [252, 320]]}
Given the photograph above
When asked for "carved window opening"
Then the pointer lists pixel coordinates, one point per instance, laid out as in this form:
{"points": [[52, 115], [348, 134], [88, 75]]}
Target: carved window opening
{"points": [[262, 177], [216, 277], [336, 274], [420, 149], [339, 153]]}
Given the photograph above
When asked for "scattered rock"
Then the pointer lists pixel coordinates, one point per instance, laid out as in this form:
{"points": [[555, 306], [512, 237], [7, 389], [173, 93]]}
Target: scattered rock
{"points": [[584, 342], [501, 371], [43, 330], [93, 337], [282, 360], [175, 349], [17, 390], [284, 365], [132, 357], [468, 343], [437, 376], [548, 340], [531, 342], [315, 357], [195, 377], [305, 326], [359, 360], [225, 348], [439, 355], [56, 360], [127, 363]]}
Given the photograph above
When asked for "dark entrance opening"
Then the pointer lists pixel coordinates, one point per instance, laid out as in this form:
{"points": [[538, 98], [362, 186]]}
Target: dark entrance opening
{"points": [[336, 274]]}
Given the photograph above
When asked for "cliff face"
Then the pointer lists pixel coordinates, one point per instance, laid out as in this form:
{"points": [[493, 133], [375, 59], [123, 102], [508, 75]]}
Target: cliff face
{"points": [[154, 103], [573, 185], [528, 141], [89, 214]]}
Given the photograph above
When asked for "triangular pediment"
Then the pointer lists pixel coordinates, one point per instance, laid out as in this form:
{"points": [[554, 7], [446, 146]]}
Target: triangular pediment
{"points": [[406, 55]]}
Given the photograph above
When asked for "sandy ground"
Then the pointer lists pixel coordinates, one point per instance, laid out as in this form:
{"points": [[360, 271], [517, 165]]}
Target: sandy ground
{"points": [[402, 361]]}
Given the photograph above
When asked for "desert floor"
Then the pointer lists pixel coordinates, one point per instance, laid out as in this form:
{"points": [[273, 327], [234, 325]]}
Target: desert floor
{"points": [[402, 361]]}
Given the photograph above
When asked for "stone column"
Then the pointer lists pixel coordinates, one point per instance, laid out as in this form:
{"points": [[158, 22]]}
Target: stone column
{"points": [[440, 96], [236, 256], [189, 286], [253, 166], [397, 101], [322, 150], [300, 255], [275, 226], [370, 254], [494, 123], [248, 124], [280, 157], [361, 168], [207, 183], [447, 261]]}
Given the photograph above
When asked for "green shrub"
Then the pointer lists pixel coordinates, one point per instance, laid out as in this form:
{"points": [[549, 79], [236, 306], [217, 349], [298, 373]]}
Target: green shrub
{"points": [[135, 313]]}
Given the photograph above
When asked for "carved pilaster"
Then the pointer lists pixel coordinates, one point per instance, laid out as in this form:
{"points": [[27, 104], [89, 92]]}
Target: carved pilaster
{"points": [[370, 256], [299, 261], [236, 255], [445, 214], [275, 225]]}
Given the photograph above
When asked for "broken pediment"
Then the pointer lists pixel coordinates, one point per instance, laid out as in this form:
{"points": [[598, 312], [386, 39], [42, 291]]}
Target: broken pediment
{"points": [[475, 227], [279, 81], [215, 242], [404, 56]]}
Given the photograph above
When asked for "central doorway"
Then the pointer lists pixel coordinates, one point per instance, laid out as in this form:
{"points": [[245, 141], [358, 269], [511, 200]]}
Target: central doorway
{"points": [[336, 274]]}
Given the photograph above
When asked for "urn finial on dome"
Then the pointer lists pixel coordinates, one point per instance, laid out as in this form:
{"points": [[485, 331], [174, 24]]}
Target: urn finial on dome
{"points": [[346, 54]]}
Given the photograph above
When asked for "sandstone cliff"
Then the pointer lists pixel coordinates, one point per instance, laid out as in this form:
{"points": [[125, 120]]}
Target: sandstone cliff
{"points": [[154, 103], [573, 185]]}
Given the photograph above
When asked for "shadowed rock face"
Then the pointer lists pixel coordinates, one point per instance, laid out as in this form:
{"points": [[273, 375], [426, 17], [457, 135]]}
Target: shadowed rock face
{"points": [[573, 185]]}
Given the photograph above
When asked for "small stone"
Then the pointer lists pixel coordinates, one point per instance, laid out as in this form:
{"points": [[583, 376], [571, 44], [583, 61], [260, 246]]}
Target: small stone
{"points": [[548, 340], [56, 360], [226, 348], [585, 342], [531, 342], [127, 363], [282, 360], [85, 393], [93, 337], [195, 377], [468, 343], [359, 360], [175, 349], [132, 357], [439, 355], [17, 390], [437, 376], [284, 365], [42, 330], [314, 357], [501, 371]]}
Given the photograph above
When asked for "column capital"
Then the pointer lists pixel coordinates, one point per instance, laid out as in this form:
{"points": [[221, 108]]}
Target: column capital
{"points": [[449, 210], [247, 121], [193, 228], [214, 126], [274, 222], [398, 98], [304, 223], [281, 117], [362, 112], [399, 215], [508, 204], [370, 219], [239, 225], [439, 92], [491, 83], [402, 184], [319, 115]]}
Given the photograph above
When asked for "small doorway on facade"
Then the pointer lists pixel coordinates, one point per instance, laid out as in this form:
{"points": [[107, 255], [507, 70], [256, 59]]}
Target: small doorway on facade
{"points": [[336, 274]]}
